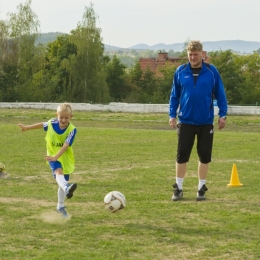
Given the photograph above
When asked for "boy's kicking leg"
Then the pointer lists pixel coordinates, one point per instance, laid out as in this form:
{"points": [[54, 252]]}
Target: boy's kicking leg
{"points": [[64, 190], [68, 188]]}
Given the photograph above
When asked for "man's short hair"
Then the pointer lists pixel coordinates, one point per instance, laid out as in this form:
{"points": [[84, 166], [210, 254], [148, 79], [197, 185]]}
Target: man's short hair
{"points": [[194, 46]]}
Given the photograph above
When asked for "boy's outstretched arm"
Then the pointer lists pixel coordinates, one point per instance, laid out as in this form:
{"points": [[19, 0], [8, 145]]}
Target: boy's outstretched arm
{"points": [[30, 127]]}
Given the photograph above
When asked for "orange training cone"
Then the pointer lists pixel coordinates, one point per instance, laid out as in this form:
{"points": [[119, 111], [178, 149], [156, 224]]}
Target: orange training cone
{"points": [[234, 180]]}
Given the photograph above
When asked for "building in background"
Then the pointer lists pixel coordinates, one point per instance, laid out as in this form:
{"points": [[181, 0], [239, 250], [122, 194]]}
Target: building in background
{"points": [[155, 63]]}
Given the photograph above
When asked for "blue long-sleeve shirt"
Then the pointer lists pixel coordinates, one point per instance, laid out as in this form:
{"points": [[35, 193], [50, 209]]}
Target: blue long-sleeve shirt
{"points": [[194, 102]]}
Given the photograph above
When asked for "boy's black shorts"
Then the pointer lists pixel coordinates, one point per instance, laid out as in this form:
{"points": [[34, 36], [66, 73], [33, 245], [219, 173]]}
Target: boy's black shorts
{"points": [[186, 137]]}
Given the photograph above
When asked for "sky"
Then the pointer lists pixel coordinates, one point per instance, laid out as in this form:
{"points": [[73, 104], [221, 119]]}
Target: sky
{"points": [[125, 23]]}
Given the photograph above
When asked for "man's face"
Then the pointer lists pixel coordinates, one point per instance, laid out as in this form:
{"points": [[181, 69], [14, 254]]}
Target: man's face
{"points": [[195, 58]]}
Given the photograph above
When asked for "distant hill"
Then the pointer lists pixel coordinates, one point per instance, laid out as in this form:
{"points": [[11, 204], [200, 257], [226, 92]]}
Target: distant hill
{"points": [[234, 45], [238, 46], [45, 38]]}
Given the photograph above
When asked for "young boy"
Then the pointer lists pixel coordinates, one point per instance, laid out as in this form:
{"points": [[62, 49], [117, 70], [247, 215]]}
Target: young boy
{"points": [[59, 139]]}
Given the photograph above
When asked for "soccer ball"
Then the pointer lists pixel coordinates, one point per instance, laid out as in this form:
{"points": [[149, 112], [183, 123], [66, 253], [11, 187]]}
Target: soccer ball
{"points": [[2, 167], [3, 173], [114, 201]]}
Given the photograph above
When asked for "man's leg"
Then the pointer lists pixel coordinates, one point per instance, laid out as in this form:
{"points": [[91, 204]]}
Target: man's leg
{"points": [[180, 174], [186, 137], [202, 174], [204, 148]]}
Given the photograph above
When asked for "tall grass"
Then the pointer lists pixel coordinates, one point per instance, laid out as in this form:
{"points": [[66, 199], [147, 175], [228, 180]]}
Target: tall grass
{"points": [[135, 154]]}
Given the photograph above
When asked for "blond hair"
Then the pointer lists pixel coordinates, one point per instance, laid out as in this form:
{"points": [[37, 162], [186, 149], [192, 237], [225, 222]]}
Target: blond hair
{"points": [[64, 107], [194, 46]]}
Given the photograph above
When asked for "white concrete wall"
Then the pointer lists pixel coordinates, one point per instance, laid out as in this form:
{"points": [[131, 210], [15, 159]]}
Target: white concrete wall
{"points": [[114, 107], [244, 110], [126, 107]]}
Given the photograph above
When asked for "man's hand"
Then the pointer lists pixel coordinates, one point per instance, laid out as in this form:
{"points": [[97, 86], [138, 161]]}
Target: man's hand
{"points": [[172, 122], [221, 123]]}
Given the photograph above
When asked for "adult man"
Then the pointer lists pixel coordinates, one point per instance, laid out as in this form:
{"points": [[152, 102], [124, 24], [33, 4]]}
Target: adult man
{"points": [[194, 86]]}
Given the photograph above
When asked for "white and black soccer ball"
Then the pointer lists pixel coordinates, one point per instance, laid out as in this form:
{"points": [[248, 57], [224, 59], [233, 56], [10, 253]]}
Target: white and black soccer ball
{"points": [[2, 167], [3, 173], [114, 201]]}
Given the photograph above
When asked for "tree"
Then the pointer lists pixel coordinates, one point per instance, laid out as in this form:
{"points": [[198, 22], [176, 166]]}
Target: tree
{"points": [[231, 74], [58, 55], [136, 75], [148, 86], [18, 37], [8, 91], [86, 65], [258, 51], [165, 83], [250, 90], [115, 79], [74, 65]]}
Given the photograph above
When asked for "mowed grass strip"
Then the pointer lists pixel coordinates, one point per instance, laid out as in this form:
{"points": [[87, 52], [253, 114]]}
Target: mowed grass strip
{"points": [[135, 154]]}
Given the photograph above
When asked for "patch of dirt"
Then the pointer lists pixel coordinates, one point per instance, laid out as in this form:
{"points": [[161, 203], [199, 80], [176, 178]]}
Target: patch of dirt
{"points": [[54, 217]]}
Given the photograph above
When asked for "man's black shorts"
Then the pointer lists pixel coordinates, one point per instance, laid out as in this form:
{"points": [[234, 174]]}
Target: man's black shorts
{"points": [[186, 137]]}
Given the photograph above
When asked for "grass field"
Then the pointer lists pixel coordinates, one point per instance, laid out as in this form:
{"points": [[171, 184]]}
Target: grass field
{"points": [[135, 154]]}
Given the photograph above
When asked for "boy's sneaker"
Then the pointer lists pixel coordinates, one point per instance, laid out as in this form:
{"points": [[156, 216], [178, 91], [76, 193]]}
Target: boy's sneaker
{"points": [[70, 189], [177, 194], [201, 193], [63, 212]]}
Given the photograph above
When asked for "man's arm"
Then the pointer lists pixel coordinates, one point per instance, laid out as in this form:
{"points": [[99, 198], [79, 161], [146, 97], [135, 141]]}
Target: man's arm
{"points": [[220, 95], [174, 97]]}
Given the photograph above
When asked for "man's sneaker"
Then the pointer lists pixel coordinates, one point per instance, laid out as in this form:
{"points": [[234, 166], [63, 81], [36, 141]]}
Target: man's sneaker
{"points": [[201, 193], [177, 194], [63, 212], [70, 189]]}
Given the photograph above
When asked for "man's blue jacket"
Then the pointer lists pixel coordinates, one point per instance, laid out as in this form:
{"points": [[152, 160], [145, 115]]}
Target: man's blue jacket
{"points": [[194, 102]]}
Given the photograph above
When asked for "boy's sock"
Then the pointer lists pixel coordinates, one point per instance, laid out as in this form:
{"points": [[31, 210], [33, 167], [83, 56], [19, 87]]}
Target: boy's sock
{"points": [[179, 182], [61, 181], [201, 183], [61, 198]]}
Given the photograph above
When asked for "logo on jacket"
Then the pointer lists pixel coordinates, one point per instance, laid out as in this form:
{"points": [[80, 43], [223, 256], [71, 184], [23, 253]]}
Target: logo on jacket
{"points": [[57, 144]]}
